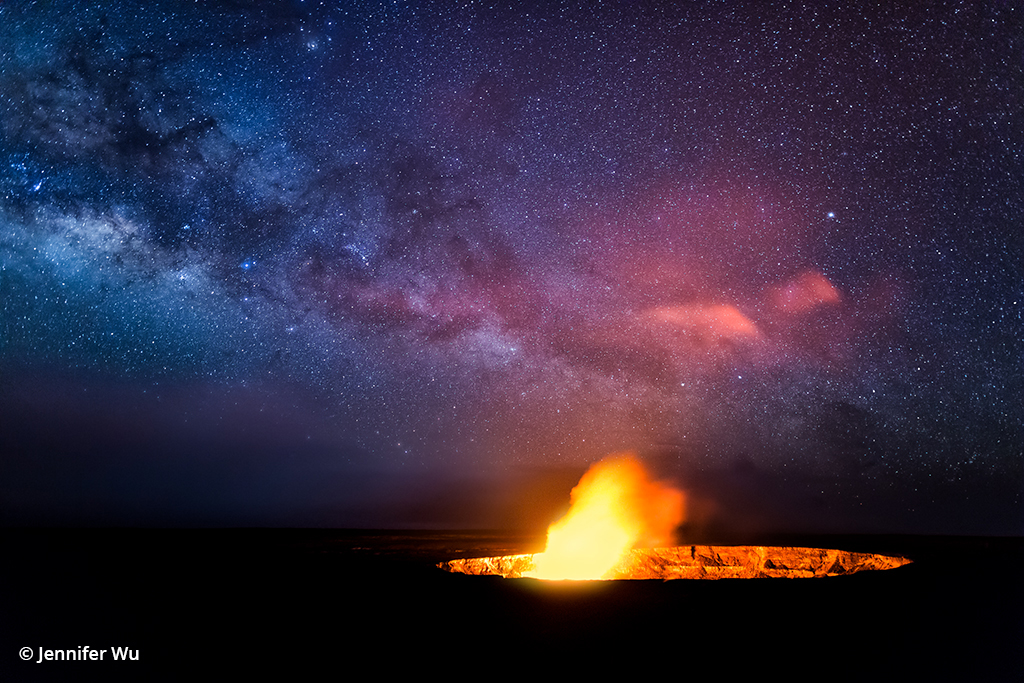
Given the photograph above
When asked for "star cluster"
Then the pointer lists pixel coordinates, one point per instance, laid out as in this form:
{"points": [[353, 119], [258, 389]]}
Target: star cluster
{"points": [[298, 262]]}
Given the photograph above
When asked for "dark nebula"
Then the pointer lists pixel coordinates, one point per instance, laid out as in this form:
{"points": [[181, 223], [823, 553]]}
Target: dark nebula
{"points": [[417, 265]]}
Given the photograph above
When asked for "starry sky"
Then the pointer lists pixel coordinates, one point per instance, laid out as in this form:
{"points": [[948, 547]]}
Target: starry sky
{"points": [[418, 264]]}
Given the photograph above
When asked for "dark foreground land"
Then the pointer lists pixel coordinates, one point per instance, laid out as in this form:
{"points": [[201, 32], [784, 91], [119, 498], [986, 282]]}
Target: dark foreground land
{"points": [[198, 604]]}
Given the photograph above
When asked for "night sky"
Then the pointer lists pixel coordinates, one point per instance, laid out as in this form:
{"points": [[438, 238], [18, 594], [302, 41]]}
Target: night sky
{"points": [[418, 265]]}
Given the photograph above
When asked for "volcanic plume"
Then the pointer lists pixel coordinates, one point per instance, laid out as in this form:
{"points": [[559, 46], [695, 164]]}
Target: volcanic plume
{"points": [[615, 507]]}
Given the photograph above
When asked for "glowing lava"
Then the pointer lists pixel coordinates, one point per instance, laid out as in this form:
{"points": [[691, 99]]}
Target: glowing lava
{"points": [[614, 508], [617, 518], [704, 562]]}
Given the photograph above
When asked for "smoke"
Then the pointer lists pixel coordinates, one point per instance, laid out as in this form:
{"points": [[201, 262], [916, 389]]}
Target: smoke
{"points": [[615, 507]]}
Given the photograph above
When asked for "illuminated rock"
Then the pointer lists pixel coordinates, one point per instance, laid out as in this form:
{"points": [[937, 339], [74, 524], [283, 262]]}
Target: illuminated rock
{"points": [[704, 562]]}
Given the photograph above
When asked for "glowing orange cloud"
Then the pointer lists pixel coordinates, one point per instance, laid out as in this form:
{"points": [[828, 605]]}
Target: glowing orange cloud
{"points": [[805, 292], [717, 321]]}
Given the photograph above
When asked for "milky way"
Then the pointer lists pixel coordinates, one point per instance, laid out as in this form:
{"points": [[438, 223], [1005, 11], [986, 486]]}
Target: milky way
{"points": [[327, 263]]}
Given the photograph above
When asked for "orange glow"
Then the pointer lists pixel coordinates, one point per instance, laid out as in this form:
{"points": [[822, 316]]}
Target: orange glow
{"points": [[804, 293], [614, 508]]}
